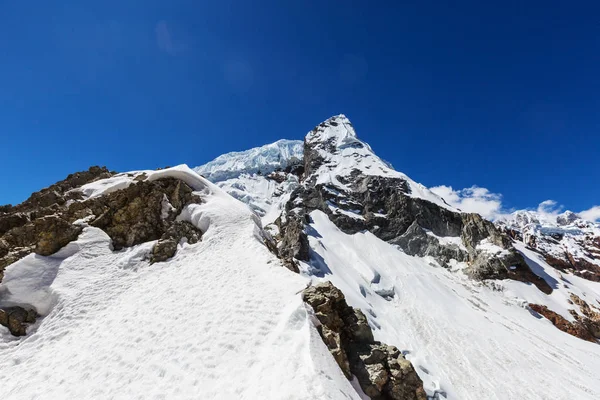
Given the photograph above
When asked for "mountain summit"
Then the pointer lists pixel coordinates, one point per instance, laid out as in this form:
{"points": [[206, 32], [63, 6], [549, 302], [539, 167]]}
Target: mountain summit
{"points": [[300, 269]]}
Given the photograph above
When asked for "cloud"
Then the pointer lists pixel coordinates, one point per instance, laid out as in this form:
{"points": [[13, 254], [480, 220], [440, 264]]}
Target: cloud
{"points": [[489, 205], [474, 199], [549, 208], [593, 214]]}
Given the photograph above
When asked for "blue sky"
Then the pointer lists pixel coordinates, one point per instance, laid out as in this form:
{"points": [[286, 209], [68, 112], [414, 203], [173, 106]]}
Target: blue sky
{"points": [[500, 96]]}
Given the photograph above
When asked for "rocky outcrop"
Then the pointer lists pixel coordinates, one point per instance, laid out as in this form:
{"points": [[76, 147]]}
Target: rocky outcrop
{"points": [[40, 223], [590, 318], [16, 319], [381, 370], [166, 246], [577, 328], [142, 212], [383, 204], [416, 242], [294, 242]]}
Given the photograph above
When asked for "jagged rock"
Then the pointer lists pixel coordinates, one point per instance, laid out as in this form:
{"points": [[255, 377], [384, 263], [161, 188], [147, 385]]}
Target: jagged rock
{"points": [[166, 246], [381, 370], [53, 233], [591, 315], [16, 319], [142, 212], [475, 229], [576, 329], [416, 242], [136, 214], [58, 192], [10, 221], [294, 242]]}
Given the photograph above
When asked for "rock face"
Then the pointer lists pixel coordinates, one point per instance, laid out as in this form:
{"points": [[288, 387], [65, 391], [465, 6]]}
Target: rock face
{"points": [[589, 317], [39, 223], [577, 329], [381, 370], [358, 191], [166, 246], [16, 319], [141, 212]]}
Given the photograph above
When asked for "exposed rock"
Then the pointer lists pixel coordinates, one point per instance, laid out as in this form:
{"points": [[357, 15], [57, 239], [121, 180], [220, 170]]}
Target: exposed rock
{"points": [[142, 212], [591, 315], [10, 221], [381, 370], [135, 215], [16, 319], [475, 228], [416, 242], [58, 193], [294, 242], [384, 207], [53, 233], [166, 246], [576, 329]]}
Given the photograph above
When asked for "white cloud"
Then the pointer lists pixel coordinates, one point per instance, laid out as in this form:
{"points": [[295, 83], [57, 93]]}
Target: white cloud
{"points": [[549, 207], [489, 205], [474, 199], [593, 214]]}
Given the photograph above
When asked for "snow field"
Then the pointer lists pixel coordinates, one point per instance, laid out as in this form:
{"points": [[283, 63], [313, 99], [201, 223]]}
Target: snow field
{"points": [[220, 320]]}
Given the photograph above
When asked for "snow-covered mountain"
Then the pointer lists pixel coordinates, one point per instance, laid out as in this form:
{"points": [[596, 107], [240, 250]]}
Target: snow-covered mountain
{"points": [[334, 276], [566, 241]]}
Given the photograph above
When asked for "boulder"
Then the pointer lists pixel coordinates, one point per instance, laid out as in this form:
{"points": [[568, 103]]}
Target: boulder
{"points": [[16, 319], [53, 233]]}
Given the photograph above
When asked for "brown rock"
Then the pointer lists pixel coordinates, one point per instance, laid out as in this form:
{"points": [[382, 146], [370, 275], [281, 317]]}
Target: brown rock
{"points": [[16, 319], [381, 370], [166, 246], [575, 329], [53, 233]]}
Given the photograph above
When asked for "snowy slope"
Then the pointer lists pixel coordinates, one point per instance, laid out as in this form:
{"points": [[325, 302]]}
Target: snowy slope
{"points": [[213, 322], [223, 319], [467, 340]]}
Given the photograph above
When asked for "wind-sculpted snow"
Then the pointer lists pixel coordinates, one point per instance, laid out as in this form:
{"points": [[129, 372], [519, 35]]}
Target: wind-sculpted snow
{"points": [[259, 160]]}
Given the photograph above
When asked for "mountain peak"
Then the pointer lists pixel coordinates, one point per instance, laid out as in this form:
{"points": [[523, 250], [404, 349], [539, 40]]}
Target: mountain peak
{"points": [[334, 130]]}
